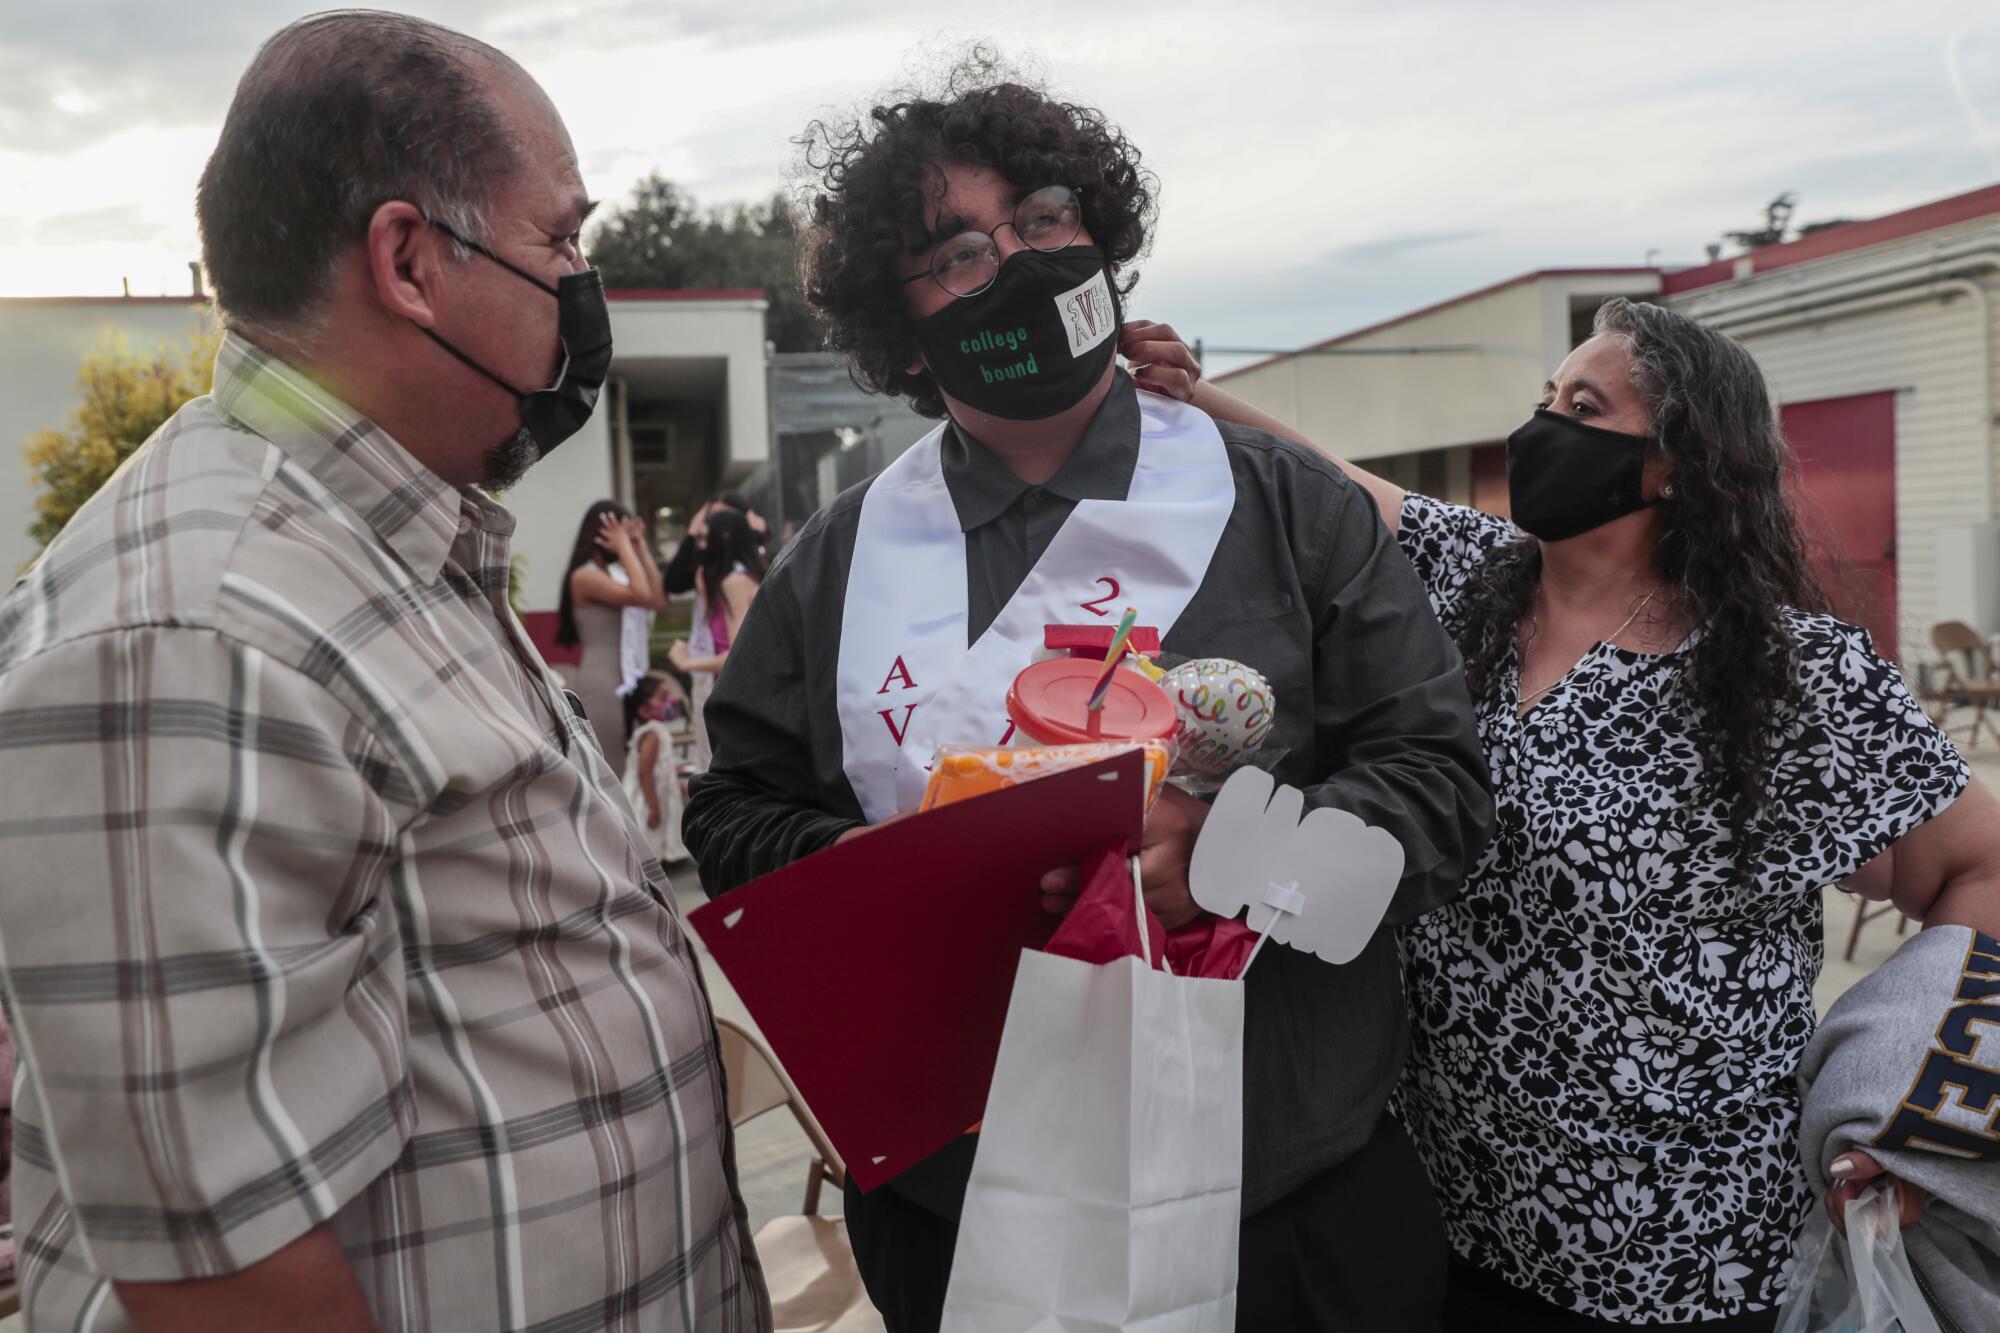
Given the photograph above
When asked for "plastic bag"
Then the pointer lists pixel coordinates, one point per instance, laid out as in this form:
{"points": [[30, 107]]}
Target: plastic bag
{"points": [[1859, 1283]]}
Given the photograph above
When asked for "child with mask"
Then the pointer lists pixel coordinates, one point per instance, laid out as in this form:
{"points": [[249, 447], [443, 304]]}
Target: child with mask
{"points": [[652, 764], [969, 252]]}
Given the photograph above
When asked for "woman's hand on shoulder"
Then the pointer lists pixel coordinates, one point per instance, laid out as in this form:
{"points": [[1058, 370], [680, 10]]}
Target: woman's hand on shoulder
{"points": [[1159, 360], [1164, 364]]}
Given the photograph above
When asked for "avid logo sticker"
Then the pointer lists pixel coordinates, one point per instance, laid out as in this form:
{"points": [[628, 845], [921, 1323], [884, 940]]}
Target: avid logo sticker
{"points": [[1087, 313]]}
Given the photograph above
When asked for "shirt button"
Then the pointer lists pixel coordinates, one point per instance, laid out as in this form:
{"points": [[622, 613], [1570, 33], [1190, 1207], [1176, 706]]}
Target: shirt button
{"points": [[464, 524]]}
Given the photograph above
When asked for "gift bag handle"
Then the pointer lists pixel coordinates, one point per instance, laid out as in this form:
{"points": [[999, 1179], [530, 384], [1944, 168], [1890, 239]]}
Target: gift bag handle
{"points": [[1139, 907]]}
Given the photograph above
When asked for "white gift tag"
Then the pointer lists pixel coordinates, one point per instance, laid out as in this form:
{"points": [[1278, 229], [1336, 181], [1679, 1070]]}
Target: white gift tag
{"points": [[1320, 884]]}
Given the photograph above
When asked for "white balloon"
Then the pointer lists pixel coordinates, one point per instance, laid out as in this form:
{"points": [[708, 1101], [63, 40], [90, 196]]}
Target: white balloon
{"points": [[1335, 872]]}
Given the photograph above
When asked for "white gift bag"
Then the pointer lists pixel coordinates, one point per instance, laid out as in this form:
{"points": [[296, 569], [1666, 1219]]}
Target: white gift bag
{"points": [[1106, 1189]]}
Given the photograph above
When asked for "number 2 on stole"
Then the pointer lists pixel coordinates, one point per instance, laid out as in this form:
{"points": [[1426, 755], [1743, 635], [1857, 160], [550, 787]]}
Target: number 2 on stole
{"points": [[1096, 605]]}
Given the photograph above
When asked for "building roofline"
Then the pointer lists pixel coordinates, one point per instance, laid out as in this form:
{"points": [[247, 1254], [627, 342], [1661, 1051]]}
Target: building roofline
{"points": [[1967, 207], [613, 293], [105, 300], [1515, 281], [686, 293]]}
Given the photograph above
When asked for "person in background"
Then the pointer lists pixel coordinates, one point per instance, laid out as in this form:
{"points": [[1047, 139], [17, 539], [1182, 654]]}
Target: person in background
{"points": [[680, 577], [652, 765], [1685, 749], [348, 998], [678, 574], [727, 576], [610, 592]]}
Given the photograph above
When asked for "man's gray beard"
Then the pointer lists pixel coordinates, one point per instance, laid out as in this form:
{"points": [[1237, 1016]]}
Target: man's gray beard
{"points": [[508, 461]]}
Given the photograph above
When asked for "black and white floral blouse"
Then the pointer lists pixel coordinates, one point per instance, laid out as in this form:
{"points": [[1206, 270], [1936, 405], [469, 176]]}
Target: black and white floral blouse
{"points": [[1607, 1024]]}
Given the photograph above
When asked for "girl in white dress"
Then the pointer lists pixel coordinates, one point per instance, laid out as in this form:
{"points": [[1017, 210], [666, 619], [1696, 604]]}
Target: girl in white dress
{"points": [[652, 769]]}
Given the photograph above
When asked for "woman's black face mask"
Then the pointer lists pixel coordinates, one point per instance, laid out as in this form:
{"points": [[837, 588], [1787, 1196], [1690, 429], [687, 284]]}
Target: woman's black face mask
{"points": [[1565, 478]]}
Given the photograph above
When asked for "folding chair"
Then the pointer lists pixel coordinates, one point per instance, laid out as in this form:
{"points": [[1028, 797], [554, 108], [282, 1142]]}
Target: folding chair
{"points": [[1978, 687], [808, 1263], [1866, 911]]}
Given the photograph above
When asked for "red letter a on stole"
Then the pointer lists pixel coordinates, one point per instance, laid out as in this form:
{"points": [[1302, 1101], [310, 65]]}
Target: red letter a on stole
{"points": [[897, 672]]}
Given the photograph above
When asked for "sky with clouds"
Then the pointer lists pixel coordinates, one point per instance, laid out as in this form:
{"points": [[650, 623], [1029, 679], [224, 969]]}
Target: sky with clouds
{"points": [[1321, 165]]}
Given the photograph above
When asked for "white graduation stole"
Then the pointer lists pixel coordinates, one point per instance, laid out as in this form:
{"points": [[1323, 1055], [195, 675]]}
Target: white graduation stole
{"points": [[906, 682]]}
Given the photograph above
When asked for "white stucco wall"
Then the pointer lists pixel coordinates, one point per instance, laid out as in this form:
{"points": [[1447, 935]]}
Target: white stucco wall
{"points": [[548, 506], [733, 327]]}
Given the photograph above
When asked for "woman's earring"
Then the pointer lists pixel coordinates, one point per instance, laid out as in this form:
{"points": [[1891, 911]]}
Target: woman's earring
{"points": [[1667, 491]]}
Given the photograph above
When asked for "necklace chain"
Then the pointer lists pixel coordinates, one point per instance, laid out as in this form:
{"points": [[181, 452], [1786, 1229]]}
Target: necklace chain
{"points": [[1522, 699]]}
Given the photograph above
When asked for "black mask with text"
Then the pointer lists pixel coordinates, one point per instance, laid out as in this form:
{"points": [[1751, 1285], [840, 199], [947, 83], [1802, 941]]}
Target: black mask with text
{"points": [[1032, 345], [1565, 478]]}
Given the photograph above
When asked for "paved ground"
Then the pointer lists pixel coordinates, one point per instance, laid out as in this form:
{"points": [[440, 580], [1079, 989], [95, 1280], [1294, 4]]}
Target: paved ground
{"points": [[772, 1154]]}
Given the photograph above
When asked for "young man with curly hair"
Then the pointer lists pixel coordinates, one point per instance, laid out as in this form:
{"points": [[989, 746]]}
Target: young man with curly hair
{"points": [[969, 252]]}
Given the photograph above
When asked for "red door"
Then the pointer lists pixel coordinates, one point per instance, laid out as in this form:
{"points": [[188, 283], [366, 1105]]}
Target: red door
{"points": [[1847, 466]]}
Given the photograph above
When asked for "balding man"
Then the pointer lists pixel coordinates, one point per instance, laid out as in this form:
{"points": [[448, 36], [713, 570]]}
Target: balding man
{"points": [[348, 991]]}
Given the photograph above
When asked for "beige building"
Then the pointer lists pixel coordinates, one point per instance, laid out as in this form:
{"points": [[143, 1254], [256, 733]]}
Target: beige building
{"points": [[1881, 343], [1429, 398]]}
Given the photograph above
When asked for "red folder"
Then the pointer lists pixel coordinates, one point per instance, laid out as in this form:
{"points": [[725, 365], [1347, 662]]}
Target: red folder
{"points": [[879, 970]]}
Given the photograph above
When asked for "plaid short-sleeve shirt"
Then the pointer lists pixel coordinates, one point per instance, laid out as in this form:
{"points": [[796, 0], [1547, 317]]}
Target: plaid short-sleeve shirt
{"points": [[319, 905]]}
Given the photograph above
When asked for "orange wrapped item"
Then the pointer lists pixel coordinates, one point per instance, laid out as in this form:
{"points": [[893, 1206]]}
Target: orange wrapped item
{"points": [[961, 772]]}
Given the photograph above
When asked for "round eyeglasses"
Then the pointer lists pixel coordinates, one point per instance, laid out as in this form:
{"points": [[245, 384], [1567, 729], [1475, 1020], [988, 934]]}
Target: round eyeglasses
{"points": [[967, 264]]}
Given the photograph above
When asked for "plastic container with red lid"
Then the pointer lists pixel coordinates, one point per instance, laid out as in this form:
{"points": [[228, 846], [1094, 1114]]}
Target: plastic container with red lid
{"points": [[1050, 701]]}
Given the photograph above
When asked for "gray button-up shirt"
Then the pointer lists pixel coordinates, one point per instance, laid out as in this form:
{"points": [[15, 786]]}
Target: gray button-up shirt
{"points": [[321, 907], [1307, 586]]}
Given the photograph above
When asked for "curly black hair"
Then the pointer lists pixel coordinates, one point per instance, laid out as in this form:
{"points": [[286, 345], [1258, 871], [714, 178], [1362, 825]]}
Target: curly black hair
{"points": [[1731, 550], [866, 196]]}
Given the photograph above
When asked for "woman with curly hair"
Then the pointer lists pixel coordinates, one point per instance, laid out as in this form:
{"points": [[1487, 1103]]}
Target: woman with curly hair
{"points": [[1685, 749], [969, 251]]}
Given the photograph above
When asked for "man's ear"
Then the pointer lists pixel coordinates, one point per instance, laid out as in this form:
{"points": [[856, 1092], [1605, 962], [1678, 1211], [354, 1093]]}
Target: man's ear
{"points": [[405, 262], [917, 364]]}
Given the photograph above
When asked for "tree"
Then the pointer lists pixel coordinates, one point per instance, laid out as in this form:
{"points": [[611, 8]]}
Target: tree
{"points": [[663, 238], [124, 398], [1777, 216], [1777, 219]]}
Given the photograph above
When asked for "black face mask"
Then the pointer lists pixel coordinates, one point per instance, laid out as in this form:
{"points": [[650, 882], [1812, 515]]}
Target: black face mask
{"points": [[1565, 478], [1033, 344], [583, 326]]}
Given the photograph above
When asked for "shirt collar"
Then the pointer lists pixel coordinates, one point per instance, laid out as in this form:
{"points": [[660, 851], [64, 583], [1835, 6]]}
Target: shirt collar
{"points": [[1100, 468], [410, 509]]}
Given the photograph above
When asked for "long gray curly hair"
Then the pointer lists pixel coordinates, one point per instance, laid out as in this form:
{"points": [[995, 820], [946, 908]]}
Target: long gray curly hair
{"points": [[1731, 551]]}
